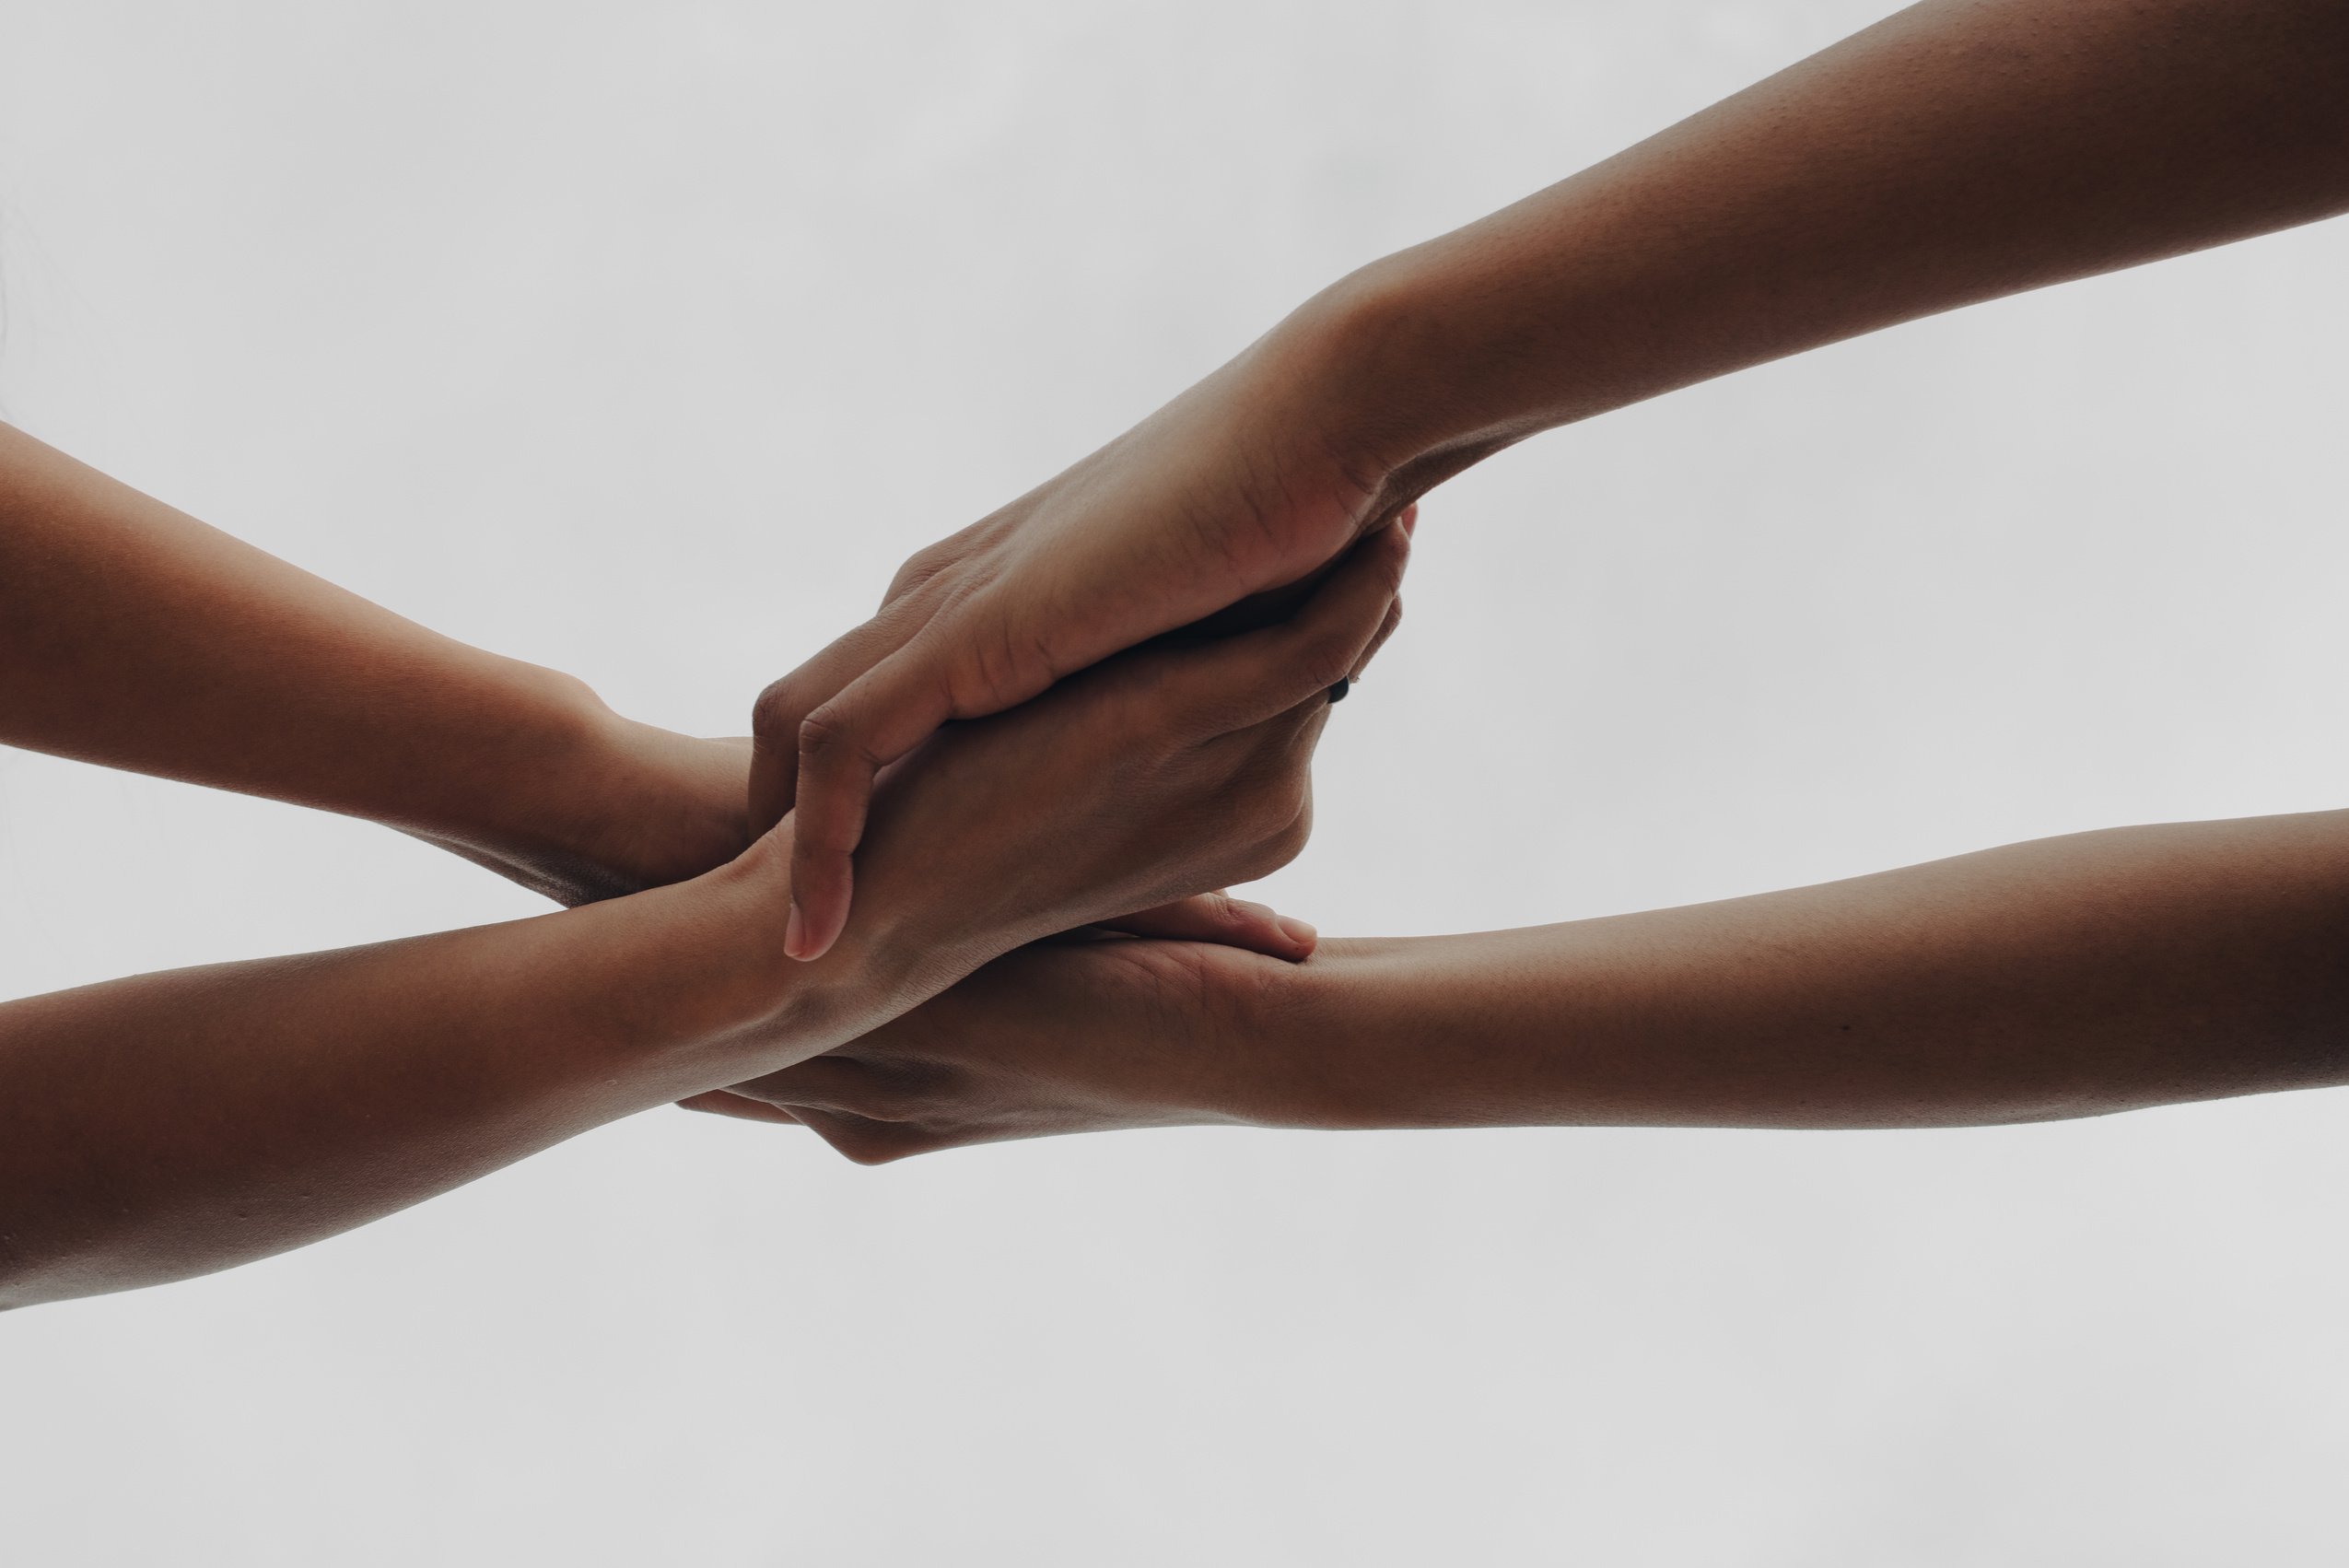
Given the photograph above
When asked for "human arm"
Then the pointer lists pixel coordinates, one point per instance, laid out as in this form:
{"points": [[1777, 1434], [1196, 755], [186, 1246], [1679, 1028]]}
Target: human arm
{"points": [[173, 1124], [1959, 150], [2068, 977], [134, 635]]}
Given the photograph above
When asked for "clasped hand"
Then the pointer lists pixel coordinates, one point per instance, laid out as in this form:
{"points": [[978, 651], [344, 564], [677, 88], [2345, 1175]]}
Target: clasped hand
{"points": [[1116, 799]]}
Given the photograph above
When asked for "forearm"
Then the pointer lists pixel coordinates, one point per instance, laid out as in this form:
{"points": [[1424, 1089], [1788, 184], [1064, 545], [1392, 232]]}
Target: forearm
{"points": [[2069, 976], [134, 635], [1959, 150], [174, 1124]]}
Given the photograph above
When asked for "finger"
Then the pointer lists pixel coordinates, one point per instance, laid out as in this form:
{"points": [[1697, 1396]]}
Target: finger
{"points": [[1226, 921], [869, 1142], [774, 779], [866, 1142], [1385, 629], [719, 1102], [785, 705], [1243, 680], [876, 719], [826, 1082]]}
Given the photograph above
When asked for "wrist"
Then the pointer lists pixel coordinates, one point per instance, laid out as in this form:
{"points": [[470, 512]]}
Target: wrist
{"points": [[652, 806], [1433, 359], [1322, 1044], [744, 1008], [782, 1010], [573, 800], [1276, 1066], [1375, 375]]}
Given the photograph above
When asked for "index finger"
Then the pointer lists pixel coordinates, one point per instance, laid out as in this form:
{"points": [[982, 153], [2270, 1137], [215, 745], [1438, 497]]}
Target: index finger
{"points": [[780, 709], [844, 744]]}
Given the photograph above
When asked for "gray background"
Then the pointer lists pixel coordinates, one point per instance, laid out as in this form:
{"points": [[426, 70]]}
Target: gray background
{"points": [[644, 340]]}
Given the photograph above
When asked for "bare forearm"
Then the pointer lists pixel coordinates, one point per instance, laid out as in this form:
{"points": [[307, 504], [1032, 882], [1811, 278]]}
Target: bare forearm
{"points": [[134, 635], [1959, 150], [174, 1124], [2069, 976]]}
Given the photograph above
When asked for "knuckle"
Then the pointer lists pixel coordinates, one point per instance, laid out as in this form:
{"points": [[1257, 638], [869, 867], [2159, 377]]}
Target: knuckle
{"points": [[1287, 825], [867, 1141], [1002, 660], [920, 566], [1222, 910], [860, 1142], [1328, 656], [900, 1146], [1276, 821], [775, 711], [827, 733], [1290, 840]]}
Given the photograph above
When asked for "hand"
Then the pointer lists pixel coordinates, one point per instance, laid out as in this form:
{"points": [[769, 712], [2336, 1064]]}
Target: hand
{"points": [[1074, 1036], [649, 807], [1147, 778], [1231, 490]]}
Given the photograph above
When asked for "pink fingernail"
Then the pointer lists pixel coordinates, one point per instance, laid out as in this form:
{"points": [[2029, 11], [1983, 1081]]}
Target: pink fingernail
{"points": [[1296, 930], [794, 934]]}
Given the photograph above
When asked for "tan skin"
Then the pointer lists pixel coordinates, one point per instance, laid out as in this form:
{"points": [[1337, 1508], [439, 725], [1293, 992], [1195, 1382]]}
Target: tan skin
{"points": [[1958, 151], [169, 1125], [135, 637], [1963, 150], [2072, 976]]}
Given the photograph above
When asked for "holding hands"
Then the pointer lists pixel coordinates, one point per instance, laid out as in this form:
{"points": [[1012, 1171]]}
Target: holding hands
{"points": [[1144, 780], [1061, 1036], [1237, 488], [1099, 705], [179, 1123]]}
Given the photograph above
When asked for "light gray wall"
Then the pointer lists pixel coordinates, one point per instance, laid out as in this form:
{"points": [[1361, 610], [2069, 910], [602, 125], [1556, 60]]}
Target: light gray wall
{"points": [[643, 341]]}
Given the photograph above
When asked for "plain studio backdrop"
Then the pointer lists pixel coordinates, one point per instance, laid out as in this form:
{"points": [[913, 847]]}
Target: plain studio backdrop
{"points": [[644, 340]]}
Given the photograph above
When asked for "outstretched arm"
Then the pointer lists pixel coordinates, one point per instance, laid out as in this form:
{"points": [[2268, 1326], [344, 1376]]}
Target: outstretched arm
{"points": [[134, 635], [173, 1124], [2065, 978], [1959, 150]]}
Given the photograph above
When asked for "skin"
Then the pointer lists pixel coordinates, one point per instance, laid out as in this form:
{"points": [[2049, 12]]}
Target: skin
{"points": [[135, 637], [1963, 150], [169, 1125], [2070, 976], [1958, 151]]}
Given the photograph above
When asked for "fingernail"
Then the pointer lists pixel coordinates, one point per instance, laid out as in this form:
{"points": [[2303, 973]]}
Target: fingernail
{"points": [[794, 934], [1296, 930]]}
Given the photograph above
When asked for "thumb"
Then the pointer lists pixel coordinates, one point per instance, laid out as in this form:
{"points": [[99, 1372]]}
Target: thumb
{"points": [[1226, 921]]}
